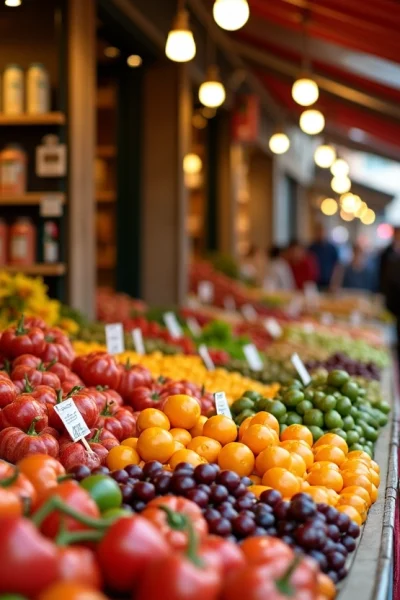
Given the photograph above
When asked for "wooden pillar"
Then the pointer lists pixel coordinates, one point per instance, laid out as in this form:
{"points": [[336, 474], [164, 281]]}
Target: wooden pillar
{"points": [[260, 191], [81, 141], [227, 190], [166, 133]]}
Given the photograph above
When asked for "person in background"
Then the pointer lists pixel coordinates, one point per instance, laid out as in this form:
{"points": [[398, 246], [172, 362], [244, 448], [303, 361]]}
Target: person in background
{"points": [[358, 274], [385, 257], [302, 263], [279, 274], [326, 255], [252, 266]]}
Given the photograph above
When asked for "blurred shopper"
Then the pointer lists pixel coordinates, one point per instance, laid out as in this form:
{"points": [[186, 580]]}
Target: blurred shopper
{"points": [[326, 255], [302, 263], [385, 257], [358, 274], [252, 266], [279, 274]]}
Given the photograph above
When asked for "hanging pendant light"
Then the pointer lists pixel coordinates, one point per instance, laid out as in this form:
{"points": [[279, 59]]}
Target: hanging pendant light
{"points": [[212, 92], [231, 14], [13, 3], [180, 46], [305, 91], [324, 156], [329, 207], [340, 168], [279, 143], [341, 185], [192, 164], [312, 121]]}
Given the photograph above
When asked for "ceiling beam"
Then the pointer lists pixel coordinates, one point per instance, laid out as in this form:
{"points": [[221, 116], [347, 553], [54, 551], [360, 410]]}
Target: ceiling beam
{"points": [[289, 69]]}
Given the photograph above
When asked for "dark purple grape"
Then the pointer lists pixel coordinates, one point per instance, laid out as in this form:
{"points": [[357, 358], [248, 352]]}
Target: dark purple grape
{"points": [[259, 531], [211, 515], [332, 515], [353, 530], [240, 490], [229, 479], [204, 488], [319, 517], [183, 466], [138, 505], [134, 471], [243, 525], [247, 512], [287, 539], [121, 476], [80, 472], [132, 480], [127, 492], [271, 497], [151, 468], [198, 497], [329, 546], [265, 519], [342, 549], [181, 484], [221, 527], [336, 560], [333, 575], [144, 490], [272, 531], [309, 536], [231, 499], [281, 510], [286, 527], [342, 573], [205, 473], [320, 558], [323, 508], [349, 543], [218, 493], [343, 522], [126, 507], [227, 511], [103, 470], [302, 508], [247, 481], [161, 482], [244, 502], [333, 532]]}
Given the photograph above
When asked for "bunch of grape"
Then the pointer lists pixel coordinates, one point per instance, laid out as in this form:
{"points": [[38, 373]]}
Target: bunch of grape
{"points": [[233, 511], [352, 366]]}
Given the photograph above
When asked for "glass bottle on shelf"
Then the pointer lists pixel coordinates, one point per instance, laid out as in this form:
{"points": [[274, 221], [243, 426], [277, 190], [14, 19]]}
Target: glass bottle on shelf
{"points": [[13, 90], [22, 244]]}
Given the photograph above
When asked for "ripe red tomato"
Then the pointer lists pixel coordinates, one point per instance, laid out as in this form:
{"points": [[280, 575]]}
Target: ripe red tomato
{"points": [[8, 393], [22, 412], [99, 368], [144, 397], [131, 377], [57, 347], [15, 444], [22, 339]]}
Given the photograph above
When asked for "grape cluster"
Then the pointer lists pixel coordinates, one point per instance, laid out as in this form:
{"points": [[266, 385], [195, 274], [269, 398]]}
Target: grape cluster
{"points": [[233, 511], [353, 367]]}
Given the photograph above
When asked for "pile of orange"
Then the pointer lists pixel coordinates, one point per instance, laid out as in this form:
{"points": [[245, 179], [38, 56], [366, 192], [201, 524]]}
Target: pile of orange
{"points": [[289, 463]]}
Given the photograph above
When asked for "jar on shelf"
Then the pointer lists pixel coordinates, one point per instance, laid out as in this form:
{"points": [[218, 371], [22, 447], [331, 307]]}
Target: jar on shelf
{"points": [[50, 242], [22, 242], [12, 170], [37, 90], [3, 242], [13, 90]]}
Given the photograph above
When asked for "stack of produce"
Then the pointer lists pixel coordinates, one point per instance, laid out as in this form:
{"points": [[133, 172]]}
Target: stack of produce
{"points": [[353, 367]]}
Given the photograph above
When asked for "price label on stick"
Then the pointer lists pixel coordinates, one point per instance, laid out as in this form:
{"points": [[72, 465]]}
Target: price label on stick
{"points": [[205, 355], [253, 357], [172, 325], [194, 326], [273, 328], [72, 419], [138, 342], [249, 312], [221, 404], [115, 338], [205, 291], [300, 368]]}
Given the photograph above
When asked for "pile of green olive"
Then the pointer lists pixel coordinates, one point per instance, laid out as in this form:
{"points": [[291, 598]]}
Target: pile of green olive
{"points": [[331, 402]]}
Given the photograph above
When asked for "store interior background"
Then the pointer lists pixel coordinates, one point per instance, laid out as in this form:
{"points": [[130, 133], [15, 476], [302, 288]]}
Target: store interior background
{"points": [[134, 211]]}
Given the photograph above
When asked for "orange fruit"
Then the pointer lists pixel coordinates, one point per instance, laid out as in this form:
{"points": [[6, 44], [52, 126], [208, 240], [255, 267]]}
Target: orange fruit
{"points": [[205, 447], [265, 418], [323, 464], [258, 437], [297, 465], [351, 512], [360, 454], [302, 448], [178, 446], [333, 497], [273, 456], [326, 477], [244, 426], [356, 490], [185, 455], [332, 439], [120, 457], [304, 485], [326, 587], [155, 443], [237, 457], [152, 417], [182, 410], [359, 479], [374, 493], [374, 465], [354, 464], [282, 480], [220, 428], [181, 435], [255, 479], [297, 432], [374, 477], [358, 503], [198, 428], [132, 442], [330, 453], [318, 494], [258, 489]]}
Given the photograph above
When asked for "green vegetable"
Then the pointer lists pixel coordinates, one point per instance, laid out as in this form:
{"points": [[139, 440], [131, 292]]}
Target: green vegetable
{"points": [[104, 490]]}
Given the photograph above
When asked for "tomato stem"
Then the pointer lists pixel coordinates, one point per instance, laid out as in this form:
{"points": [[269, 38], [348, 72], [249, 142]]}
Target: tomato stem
{"points": [[180, 522], [96, 438], [27, 385], [8, 481], [20, 330], [32, 429], [283, 583], [55, 503]]}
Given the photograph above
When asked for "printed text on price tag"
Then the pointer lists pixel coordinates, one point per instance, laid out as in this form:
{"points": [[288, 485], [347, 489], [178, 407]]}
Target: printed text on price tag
{"points": [[115, 338], [72, 419], [138, 343], [221, 405], [300, 368]]}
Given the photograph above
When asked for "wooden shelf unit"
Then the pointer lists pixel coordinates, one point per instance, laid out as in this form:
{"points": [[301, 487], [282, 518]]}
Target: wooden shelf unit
{"points": [[29, 198], [44, 269], [51, 118]]}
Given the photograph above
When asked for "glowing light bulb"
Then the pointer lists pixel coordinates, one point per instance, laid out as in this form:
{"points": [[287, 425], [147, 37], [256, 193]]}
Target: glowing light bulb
{"points": [[192, 164], [340, 168], [368, 217], [324, 156], [212, 92], [13, 3], [134, 60], [305, 91], [346, 216], [111, 52], [350, 202], [341, 185], [279, 143], [361, 210], [180, 46], [329, 207], [312, 121], [231, 14]]}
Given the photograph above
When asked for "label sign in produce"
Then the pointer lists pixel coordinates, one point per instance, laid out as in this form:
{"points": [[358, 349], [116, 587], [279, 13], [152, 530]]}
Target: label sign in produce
{"points": [[171, 322], [72, 419], [273, 327], [137, 339], [115, 338], [253, 357], [194, 326], [300, 368], [205, 291], [221, 405], [205, 355], [249, 312]]}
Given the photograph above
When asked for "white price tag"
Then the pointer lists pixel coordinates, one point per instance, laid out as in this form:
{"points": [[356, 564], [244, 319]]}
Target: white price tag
{"points": [[194, 326], [115, 338], [205, 355], [51, 206], [356, 318], [249, 312], [205, 291], [327, 319], [273, 327], [221, 404], [253, 357], [172, 325], [300, 368], [229, 303], [138, 342], [72, 419]]}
